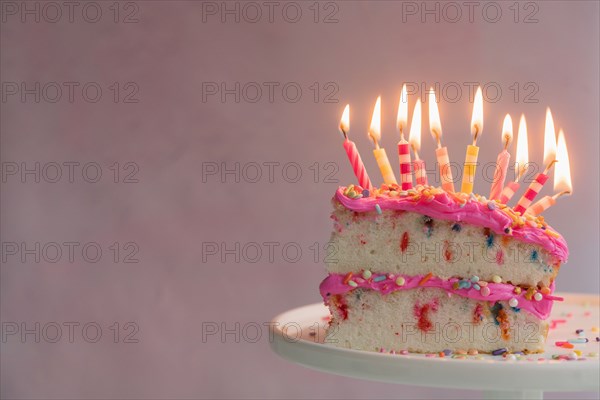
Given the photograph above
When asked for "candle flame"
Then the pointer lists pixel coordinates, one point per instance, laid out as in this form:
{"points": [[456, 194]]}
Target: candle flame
{"points": [[562, 170], [415, 128], [345, 121], [375, 129], [402, 119], [435, 126], [507, 130], [522, 148], [549, 139], [477, 117]]}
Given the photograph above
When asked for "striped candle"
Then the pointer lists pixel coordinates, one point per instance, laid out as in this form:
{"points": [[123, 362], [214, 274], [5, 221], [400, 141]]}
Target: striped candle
{"points": [[405, 166], [540, 206], [420, 172], [352, 152], [531, 192], [445, 170], [509, 191], [469, 169], [357, 165]]}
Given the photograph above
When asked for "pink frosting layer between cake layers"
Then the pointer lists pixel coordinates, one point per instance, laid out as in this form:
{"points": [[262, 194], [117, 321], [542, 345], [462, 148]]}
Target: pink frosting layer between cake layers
{"points": [[334, 284], [445, 207]]}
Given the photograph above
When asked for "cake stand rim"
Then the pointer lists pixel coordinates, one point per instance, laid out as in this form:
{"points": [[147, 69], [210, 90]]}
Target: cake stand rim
{"points": [[436, 372]]}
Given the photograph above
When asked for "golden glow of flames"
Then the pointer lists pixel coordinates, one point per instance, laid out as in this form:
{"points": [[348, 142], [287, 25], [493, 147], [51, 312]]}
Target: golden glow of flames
{"points": [[415, 128], [507, 130], [477, 117], [562, 169], [345, 121], [549, 140], [402, 119], [375, 129], [522, 148], [435, 126]]}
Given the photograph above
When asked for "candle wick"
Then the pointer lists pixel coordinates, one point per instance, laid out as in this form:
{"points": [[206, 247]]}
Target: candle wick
{"points": [[437, 138], [506, 141], [475, 135], [549, 166], [345, 134], [556, 196]]}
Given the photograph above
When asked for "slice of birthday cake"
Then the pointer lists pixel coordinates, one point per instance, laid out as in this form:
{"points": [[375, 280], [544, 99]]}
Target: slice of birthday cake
{"points": [[426, 270]]}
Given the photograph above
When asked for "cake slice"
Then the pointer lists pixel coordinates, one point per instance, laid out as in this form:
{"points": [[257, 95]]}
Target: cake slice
{"points": [[427, 271]]}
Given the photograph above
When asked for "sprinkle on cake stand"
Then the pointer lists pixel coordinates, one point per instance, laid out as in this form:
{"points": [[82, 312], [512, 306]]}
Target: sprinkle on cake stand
{"points": [[570, 362]]}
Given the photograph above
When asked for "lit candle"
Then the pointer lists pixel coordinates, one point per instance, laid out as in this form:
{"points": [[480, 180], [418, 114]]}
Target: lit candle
{"points": [[502, 160], [435, 126], [521, 163], [562, 179], [353, 154], [549, 160], [415, 143], [379, 153], [473, 150], [403, 146]]}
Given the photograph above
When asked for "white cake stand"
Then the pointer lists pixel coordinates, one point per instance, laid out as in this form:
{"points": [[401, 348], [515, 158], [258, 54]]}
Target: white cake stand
{"points": [[299, 333]]}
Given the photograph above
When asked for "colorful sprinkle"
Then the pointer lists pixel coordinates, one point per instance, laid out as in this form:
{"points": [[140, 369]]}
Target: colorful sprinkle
{"points": [[538, 296], [367, 274], [513, 302], [472, 352], [425, 279], [496, 279], [379, 278], [491, 206], [347, 278], [404, 242], [366, 193], [578, 340], [485, 291], [352, 283], [456, 227], [400, 281], [476, 286], [534, 255], [474, 279], [500, 351], [378, 209]]}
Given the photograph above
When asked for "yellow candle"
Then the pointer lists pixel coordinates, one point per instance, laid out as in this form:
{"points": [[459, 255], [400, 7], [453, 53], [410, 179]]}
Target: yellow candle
{"points": [[473, 150], [435, 126], [379, 153]]}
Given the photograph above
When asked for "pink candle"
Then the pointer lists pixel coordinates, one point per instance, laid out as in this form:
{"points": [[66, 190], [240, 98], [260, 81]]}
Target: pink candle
{"points": [[540, 206], [549, 160], [521, 163], [531, 192], [509, 191], [353, 154], [357, 165], [499, 175], [405, 171], [420, 172]]}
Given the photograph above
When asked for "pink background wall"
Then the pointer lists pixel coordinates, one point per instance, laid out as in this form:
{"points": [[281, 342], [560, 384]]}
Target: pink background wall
{"points": [[170, 135]]}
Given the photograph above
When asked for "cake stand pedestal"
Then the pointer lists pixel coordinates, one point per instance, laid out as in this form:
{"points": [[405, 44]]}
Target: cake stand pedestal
{"points": [[299, 334]]}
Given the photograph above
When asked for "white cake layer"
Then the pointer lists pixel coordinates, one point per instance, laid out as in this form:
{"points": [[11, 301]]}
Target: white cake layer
{"points": [[427, 320], [407, 243]]}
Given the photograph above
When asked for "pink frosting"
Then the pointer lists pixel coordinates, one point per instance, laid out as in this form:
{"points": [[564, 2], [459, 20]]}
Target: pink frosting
{"points": [[334, 284], [443, 206]]}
